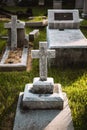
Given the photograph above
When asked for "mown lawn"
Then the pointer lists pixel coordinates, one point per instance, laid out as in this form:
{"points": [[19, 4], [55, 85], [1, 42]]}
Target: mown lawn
{"points": [[73, 80]]}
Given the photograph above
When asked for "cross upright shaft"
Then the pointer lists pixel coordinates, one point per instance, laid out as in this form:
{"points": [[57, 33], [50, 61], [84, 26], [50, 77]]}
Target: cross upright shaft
{"points": [[43, 53]]}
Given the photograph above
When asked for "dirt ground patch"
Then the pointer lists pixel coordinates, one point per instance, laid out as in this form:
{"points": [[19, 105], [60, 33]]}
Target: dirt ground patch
{"points": [[14, 56]]}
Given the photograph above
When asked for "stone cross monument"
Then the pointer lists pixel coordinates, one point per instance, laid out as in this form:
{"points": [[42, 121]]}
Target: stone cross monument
{"points": [[43, 84], [43, 53], [14, 25], [43, 93]]}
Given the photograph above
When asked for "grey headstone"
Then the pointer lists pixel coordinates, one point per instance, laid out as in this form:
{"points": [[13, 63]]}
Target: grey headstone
{"points": [[84, 14], [33, 34], [41, 100], [13, 34], [41, 2], [57, 4], [43, 53], [79, 4]]}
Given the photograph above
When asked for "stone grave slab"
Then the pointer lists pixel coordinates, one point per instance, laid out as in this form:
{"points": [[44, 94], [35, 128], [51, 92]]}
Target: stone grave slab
{"points": [[43, 119], [16, 40], [66, 38]]}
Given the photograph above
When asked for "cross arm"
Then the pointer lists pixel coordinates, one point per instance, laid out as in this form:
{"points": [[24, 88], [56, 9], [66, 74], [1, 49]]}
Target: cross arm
{"points": [[20, 25], [35, 54], [51, 53], [7, 25]]}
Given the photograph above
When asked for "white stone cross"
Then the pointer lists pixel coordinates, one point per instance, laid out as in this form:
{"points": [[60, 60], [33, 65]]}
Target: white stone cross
{"points": [[43, 53], [13, 25]]}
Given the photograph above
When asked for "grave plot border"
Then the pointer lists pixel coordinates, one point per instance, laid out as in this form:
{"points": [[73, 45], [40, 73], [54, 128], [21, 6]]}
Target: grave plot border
{"points": [[13, 67]]}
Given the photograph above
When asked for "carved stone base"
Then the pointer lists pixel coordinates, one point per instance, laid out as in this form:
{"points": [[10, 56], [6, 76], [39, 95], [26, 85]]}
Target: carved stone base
{"points": [[42, 87], [43, 101]]}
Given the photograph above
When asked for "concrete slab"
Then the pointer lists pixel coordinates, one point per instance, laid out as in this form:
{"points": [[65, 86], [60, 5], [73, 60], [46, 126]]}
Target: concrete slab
{"points": [[43, 119], [67, 38]]}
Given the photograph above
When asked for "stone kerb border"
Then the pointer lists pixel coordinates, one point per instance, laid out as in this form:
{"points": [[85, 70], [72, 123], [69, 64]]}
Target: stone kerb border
{"points": [[37, 24], [13, 67], [55, 24]]}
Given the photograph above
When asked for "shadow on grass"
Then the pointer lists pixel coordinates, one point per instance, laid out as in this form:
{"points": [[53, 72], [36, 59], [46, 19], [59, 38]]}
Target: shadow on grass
{"points": [[7, 117], [68, 75]]}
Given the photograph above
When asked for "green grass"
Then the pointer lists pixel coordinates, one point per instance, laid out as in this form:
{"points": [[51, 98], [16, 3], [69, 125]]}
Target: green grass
{"points": [[84, 23], [2, 30], [84, 31], [2, 45], [73, 81], [37, 11], [15, 9]]}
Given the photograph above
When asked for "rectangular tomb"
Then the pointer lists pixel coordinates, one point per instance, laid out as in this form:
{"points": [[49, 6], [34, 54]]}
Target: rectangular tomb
{"points": [[70, 46], [64, 35]]}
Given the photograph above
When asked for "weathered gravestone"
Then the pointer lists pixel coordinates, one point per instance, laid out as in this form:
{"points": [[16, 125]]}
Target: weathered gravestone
{"points": [[79, 4], [34, 34], [32, 110], [41, 2], [84, 14], [57, 4], [16, 32], [12, 59], [64, 35]]}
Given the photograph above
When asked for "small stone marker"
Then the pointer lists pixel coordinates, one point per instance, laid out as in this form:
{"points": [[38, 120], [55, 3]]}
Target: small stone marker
{"points": [[33, 34], [14, 25], [43, 54]]}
